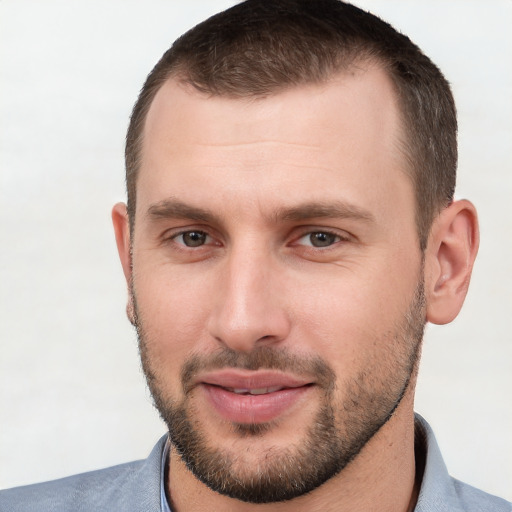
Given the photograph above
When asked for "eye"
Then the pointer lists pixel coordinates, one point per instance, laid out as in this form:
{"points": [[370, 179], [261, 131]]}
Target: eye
{"points": [[192, 238], [319, 239]]}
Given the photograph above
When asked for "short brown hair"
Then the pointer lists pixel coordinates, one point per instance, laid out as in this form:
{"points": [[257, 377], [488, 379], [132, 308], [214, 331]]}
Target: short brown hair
{"points": [[261, 47]]}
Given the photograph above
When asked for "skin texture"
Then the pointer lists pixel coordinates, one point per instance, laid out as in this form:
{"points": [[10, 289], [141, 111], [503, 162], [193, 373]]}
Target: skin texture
{"points": [[233, 198]]}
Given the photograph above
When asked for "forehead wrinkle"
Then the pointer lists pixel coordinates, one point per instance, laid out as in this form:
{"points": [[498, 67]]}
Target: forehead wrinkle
{"points": [[262, 142]]}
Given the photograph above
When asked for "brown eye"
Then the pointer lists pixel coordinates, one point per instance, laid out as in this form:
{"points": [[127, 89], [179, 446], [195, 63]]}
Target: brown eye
{"points": [[192, 238], [321, 239]]}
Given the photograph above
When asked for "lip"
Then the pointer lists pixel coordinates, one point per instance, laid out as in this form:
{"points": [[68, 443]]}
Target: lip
{"points": [[276, 393], [230, 378]]}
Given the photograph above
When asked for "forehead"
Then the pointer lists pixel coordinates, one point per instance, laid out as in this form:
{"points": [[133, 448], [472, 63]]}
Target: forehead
{"points": [[361, 94], [344, 134]]}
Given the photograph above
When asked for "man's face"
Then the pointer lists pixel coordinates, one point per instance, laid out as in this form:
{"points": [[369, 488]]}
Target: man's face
{"points": [[277, 279]]}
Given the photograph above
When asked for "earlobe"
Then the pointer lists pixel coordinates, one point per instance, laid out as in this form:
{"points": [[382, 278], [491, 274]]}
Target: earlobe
{"points": [[130, 308], [122, 232], [449, 258]]}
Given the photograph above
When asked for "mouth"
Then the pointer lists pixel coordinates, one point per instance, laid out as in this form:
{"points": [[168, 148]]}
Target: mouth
{"points": [[255, 391], [255, 397]]}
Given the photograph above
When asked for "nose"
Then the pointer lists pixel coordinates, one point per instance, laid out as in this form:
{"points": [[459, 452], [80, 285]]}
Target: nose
{"points": [[250, 302]]}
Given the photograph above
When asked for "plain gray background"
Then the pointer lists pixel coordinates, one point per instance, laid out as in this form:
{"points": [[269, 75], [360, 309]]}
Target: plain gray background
{"points": [[72, 396]]}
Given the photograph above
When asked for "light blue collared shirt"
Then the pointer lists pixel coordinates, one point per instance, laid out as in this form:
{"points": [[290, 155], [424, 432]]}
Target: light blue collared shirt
{"points": [[140, 485], [439, 492]]}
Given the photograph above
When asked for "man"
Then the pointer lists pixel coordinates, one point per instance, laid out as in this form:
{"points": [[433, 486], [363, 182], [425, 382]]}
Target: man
{"points": [[290, 228]]}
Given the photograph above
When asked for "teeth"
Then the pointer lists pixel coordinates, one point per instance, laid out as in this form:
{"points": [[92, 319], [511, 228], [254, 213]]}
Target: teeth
{"points": [[275, 388], [259, 391], [255, 391], [239, 391]]}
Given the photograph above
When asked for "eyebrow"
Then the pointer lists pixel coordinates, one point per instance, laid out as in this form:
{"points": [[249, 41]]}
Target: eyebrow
{"points": [[318, 210], [173, 208]]}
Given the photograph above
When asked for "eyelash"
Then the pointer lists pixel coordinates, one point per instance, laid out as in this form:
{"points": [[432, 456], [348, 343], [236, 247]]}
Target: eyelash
{"points": [[337, 236], [188, 231]]}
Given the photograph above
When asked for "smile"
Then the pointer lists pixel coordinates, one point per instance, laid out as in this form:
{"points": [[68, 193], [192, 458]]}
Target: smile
{"points": [[250, 405]]}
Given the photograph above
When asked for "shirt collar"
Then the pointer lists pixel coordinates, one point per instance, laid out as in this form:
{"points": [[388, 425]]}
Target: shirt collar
{"points": [[164, 504], [436, 486], [437, 491]]}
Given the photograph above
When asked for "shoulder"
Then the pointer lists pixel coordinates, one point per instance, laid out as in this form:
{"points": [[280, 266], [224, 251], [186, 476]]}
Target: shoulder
{"points": [[473, 499], [70, 493], [129, 487], [439, 491]]}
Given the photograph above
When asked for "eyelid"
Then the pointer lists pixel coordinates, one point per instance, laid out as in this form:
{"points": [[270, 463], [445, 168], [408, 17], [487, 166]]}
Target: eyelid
{"points": [[308, 230], [170, 235], [300, 232], [182, 233]]}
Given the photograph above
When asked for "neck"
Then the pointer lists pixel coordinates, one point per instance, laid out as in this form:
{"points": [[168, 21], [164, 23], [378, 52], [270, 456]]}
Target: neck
{"points": [[381, 478]]}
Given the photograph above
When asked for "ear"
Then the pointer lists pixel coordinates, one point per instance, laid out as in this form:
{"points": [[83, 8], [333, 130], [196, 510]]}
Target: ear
{"points": [[449, 258], [122, 231]]}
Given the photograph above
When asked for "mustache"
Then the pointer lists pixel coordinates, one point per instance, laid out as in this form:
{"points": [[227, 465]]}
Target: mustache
{"points": [[262, 358]]}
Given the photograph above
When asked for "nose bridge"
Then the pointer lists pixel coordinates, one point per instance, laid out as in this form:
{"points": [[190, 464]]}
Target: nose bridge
{"points": [[248, 310]]}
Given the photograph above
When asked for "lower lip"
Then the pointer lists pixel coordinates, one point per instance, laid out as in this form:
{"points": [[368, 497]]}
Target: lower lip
{"points": [[253, 408]]}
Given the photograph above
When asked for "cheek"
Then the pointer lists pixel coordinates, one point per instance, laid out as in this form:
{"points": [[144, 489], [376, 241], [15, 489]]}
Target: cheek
{"points": [[173, 312], [350, 322]]}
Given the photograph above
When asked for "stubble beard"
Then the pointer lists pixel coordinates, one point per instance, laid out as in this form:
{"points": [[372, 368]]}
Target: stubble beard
{"points": [[337, 433]]}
